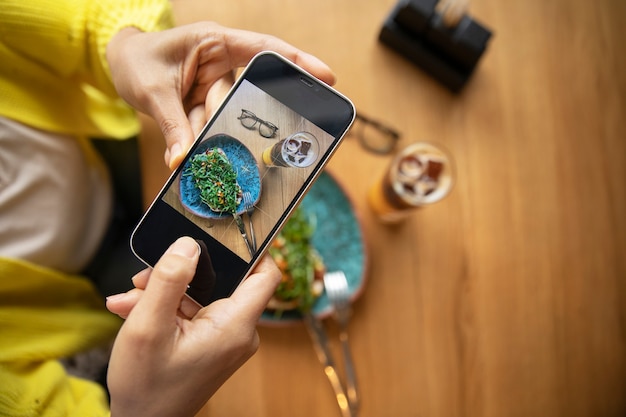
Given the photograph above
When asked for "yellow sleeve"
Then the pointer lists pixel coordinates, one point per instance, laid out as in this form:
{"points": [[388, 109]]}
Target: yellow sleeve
{"points": [[43, 389], [53, 70], [105, 18], [69, 37], [44, 316]]}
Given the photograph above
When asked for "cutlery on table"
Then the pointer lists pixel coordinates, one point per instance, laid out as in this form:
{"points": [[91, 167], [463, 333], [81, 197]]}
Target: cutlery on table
{"points": [[322, 349], [242, 230], [248, 203], [336, 286]]}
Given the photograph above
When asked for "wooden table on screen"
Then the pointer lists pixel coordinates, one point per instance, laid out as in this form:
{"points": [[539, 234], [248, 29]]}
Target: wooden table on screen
{"points": [[508, 297]]}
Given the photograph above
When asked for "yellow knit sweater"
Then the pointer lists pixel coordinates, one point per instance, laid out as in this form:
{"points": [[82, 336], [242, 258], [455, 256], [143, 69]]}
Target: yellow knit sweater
{"points": [[45, 315], [53, 71], [54, 76]]}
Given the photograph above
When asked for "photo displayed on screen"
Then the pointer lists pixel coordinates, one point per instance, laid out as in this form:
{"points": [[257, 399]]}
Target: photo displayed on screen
{"points": [[250, 164]]}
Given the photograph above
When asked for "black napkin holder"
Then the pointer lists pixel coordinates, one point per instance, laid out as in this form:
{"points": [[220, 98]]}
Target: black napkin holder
{"points": [[449, 54]]}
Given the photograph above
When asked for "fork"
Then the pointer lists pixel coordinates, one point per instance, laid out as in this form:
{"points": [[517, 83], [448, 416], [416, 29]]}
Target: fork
{"points": [[248, 203], [336, 286], [242, 231]]}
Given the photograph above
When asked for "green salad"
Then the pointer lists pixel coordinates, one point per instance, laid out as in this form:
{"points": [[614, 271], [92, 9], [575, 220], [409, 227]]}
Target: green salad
{"points": [[216, 180], [301, 266]]}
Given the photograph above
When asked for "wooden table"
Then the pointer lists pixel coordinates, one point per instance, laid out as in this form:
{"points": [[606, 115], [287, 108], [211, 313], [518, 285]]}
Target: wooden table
{"points": [[508, 297]]}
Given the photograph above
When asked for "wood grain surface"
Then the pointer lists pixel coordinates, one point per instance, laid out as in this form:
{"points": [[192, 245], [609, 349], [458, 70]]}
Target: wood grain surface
{"points": [[507, 298]]}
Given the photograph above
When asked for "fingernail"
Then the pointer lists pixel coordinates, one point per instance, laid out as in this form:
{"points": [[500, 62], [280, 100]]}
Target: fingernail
{"points": [[186, 247]]}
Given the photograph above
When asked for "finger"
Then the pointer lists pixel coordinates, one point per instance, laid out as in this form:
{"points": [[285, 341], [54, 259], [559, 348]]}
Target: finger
{"points": [[243, 45], [177, 131], [161, 299], [197, 119], [188, 307], [255, 291], [200, 113], [237, 48], [217, 92], [123, 304], [140, 280]]}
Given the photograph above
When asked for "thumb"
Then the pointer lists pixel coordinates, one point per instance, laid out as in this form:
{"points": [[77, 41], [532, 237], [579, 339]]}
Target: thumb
{"points": [[255, 291], [168, 282]]}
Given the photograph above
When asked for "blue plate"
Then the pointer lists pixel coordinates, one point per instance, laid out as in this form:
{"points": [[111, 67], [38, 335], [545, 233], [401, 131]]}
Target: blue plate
{"points": [[338, 238], [243, 163]]}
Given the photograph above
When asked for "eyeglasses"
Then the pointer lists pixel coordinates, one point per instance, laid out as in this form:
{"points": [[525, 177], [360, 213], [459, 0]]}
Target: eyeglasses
{"points": [[375, 136], [249, 121]]}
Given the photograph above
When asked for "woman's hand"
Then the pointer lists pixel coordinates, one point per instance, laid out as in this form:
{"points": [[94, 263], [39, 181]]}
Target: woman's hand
{"points": [[170, 358], [167, 74]]}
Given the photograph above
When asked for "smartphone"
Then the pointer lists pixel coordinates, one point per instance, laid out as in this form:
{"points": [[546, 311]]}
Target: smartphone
{"points": [[252, 164]]}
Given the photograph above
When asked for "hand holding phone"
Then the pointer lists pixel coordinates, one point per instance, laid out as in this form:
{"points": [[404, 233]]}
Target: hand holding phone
{"points": [[260, 153], [163, 338], [139, 59]]}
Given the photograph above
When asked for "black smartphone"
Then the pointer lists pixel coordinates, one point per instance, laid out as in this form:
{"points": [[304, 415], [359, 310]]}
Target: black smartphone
{"points": [[246, 172]]}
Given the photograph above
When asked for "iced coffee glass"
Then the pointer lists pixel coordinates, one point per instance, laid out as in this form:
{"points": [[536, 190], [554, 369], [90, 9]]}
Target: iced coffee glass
{"points": [[298, 150], [420, 174]]}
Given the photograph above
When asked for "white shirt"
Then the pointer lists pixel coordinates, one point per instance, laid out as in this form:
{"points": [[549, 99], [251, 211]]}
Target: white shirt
{"points": [[55, 197]]}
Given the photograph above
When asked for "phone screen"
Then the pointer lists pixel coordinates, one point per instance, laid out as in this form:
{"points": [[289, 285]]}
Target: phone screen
{"points": [[258, 155]]}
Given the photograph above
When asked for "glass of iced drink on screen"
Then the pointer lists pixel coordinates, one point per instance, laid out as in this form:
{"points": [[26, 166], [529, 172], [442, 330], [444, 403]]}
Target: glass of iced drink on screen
{"points": [[420, 174], [299, 150]]}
